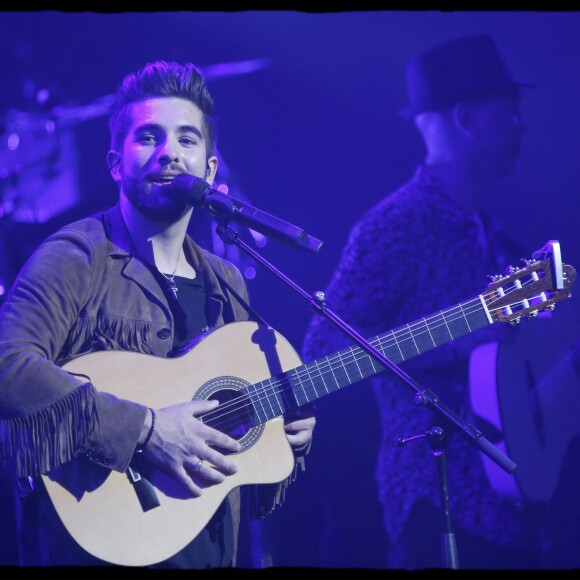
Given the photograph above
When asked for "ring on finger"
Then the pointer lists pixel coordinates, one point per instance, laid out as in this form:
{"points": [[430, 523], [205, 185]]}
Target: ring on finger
{"points": [[197, 466]]}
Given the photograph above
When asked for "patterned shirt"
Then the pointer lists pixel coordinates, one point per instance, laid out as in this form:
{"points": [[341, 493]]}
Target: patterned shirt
{"points": [[417, 252]]}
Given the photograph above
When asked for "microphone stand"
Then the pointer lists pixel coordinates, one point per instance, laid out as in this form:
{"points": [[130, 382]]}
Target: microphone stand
{"points": [[438, 442], [423, 397]]}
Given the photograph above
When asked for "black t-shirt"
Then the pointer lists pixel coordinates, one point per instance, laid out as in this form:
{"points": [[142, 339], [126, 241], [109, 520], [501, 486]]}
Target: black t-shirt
{"points": [[188, 309], [213, 547]]}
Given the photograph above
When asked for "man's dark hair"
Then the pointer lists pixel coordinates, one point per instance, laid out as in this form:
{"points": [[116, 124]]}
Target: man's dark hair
{"points": [[162, 79]]}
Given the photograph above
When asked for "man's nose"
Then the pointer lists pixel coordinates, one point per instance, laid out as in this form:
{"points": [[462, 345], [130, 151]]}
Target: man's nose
{"points": [[168, 152]]}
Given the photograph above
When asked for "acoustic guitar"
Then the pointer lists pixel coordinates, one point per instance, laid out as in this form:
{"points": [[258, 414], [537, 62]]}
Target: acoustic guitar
{"points": [[258, 377], [528, 389]]}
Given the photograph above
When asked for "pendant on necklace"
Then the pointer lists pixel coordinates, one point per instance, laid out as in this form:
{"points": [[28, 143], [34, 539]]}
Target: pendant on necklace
{"points": [[171, 278], [172, 286]]}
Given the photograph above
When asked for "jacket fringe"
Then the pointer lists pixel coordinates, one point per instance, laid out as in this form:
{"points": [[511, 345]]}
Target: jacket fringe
{"points": [[69, 424], [264, 499], [109, 333]]}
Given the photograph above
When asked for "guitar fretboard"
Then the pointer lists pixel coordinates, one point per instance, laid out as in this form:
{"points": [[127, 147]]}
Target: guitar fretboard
{"points": [[304, 384]]}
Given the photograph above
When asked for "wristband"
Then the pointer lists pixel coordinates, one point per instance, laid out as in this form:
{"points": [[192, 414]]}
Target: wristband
{"points": [[142, 446]]}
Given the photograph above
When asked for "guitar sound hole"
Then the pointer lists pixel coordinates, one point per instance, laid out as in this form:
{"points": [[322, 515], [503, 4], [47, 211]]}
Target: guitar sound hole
{"points": [[234, 416]]}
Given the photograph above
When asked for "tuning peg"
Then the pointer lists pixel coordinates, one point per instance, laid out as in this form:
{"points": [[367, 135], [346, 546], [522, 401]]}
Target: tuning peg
{"points": [[545, 313], [515, 321], [529, 262], [495, 277]]}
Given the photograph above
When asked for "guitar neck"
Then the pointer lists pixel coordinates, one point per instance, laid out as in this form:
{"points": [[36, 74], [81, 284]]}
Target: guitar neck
{"points": [[304, 384]]}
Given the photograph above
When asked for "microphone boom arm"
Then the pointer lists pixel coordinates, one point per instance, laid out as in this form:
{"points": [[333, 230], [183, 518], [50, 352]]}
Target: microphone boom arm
{"points": [[225, 208]]}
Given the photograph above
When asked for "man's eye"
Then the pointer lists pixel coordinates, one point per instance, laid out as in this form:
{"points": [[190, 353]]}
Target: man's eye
{"points": [[188, 140], [146, 138]]}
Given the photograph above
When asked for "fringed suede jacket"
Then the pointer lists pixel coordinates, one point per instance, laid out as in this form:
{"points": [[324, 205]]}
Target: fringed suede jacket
{"points": [[82, 291]]}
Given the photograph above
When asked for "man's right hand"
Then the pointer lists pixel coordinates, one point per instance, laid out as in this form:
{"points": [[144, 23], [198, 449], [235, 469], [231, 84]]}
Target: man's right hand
{"points": [[185, 448]]}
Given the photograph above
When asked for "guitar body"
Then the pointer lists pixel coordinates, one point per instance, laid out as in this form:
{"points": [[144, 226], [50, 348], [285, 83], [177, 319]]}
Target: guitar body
{"points": [[104, 514], [529, 389]]}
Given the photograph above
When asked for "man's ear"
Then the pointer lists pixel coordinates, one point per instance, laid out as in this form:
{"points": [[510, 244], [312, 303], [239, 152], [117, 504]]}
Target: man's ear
{"points": [[463, 119], [114, 163], [211, 169]]}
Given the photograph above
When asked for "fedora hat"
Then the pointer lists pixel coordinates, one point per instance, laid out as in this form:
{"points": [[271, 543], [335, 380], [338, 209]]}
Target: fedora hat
{"points": [[466, 69]]}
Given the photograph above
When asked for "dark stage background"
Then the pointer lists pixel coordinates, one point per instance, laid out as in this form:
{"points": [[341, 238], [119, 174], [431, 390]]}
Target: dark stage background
{"points": [[308, 128]]}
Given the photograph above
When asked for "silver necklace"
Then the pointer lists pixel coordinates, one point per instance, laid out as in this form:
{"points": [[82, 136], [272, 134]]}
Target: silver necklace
{"points": [[171, 278]]}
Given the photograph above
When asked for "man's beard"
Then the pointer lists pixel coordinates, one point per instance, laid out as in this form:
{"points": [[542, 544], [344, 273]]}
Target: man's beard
{"points": [[154, 201]]}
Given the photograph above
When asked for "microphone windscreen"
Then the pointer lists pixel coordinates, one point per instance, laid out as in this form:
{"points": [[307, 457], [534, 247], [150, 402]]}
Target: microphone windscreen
{"points": [[191, 188]]}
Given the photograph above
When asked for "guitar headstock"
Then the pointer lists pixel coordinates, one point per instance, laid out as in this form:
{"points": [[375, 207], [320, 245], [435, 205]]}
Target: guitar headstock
{"points": [[534, 288]]}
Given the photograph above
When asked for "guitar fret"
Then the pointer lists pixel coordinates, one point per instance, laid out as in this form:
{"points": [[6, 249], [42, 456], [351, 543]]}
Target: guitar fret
{"points": [[302, 389], [316, 379], [398, 345], [446, 325], [429, 331], [320, 375], [357, 365], [408, 348], [458, 326], [439, 330], [341, 376], [346, 372], [413, 338], [466, 320], [256, 400], [280, 407], [332, 372], [371, 360], [352, 357], [267, 397]]}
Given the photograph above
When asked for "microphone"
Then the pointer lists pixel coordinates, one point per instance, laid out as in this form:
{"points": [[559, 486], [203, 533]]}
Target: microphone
{"points": [[198, 193]]}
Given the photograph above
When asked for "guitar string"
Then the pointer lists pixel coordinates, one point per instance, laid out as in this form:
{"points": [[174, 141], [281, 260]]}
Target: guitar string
{"points": [[274, 387], [265, 393], [386, 340]]}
